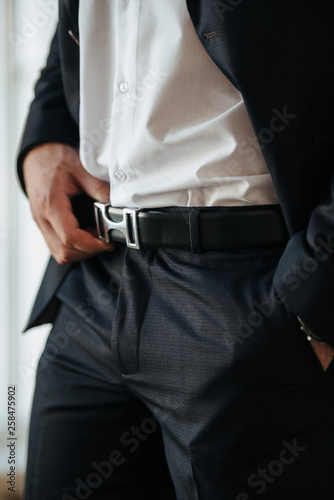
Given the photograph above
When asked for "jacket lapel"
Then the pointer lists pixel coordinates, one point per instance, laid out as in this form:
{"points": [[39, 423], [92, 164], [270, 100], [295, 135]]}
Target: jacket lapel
{"points": [[72, 8]]}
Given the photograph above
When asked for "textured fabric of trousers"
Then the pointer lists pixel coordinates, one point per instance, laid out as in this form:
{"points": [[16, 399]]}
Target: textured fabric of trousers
{"points": [[182, 375]]}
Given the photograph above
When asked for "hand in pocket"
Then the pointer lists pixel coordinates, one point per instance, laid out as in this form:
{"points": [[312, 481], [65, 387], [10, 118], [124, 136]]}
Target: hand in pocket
{"points": [[324, 353]]}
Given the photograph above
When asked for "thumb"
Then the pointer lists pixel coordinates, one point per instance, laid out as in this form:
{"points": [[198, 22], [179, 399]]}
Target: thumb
{"points": [[96, 188]]}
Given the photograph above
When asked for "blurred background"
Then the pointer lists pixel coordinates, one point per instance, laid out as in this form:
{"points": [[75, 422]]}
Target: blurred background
{"points": [[26, 29]]}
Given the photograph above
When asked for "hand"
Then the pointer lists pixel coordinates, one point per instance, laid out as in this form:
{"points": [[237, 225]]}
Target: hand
{"points": [[324, 353], [53, 174]]}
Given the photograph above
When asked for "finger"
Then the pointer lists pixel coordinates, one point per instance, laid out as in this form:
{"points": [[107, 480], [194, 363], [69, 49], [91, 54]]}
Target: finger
{"points": [[96, 188], [61, 253], [67, 229]]}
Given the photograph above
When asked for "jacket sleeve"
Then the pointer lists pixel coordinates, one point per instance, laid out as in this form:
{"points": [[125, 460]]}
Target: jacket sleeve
{"points": [[49, 119], [305, 275]]}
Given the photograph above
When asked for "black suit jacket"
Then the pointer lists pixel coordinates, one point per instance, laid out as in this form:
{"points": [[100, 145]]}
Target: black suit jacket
{"points": [[279, 54]]}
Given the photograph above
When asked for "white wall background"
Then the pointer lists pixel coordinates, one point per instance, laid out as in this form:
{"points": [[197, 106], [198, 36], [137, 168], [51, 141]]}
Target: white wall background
{"points": [[26, 28]]}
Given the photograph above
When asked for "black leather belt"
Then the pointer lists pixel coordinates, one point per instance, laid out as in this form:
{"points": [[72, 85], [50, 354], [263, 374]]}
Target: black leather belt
{"points": [[196, 229]]}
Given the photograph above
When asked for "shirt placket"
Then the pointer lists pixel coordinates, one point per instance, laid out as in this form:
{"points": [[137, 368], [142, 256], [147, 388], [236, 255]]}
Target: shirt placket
{"points": [[125, 82]]}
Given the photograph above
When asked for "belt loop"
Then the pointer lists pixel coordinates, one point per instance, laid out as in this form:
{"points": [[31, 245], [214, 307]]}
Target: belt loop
{"points": [[195, 243]]}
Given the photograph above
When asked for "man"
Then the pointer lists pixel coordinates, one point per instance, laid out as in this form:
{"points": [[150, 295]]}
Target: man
{"points": [[176, 367]]}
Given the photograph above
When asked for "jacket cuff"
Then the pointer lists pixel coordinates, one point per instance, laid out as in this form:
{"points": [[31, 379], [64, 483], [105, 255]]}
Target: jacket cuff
{"points": [[302, 279]]}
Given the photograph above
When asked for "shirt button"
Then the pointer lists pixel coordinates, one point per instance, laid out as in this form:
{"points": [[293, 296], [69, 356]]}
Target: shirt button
{"points": [[120, 175], [124, 87]]}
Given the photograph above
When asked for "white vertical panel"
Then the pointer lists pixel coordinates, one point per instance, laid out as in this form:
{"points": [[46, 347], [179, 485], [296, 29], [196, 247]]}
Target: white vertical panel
{"points": [[33, 28], [4, 222], [26, 28], [8, 218]]}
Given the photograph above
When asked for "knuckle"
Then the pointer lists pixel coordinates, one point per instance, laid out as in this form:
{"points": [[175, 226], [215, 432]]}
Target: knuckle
{"points": [[40, 208], [42, 201], [66, 240], [62, 257], [58, 167]]}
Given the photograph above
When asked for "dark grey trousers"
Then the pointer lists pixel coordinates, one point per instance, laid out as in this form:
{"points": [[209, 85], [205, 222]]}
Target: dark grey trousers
{"points": [[179, 375]]}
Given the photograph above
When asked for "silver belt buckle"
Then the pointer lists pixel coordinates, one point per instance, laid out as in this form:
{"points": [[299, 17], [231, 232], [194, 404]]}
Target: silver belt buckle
{"points": [[128, 226]]}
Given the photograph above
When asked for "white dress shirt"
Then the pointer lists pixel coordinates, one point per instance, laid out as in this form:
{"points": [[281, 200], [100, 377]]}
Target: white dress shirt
{"points": [[158, 119]]}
